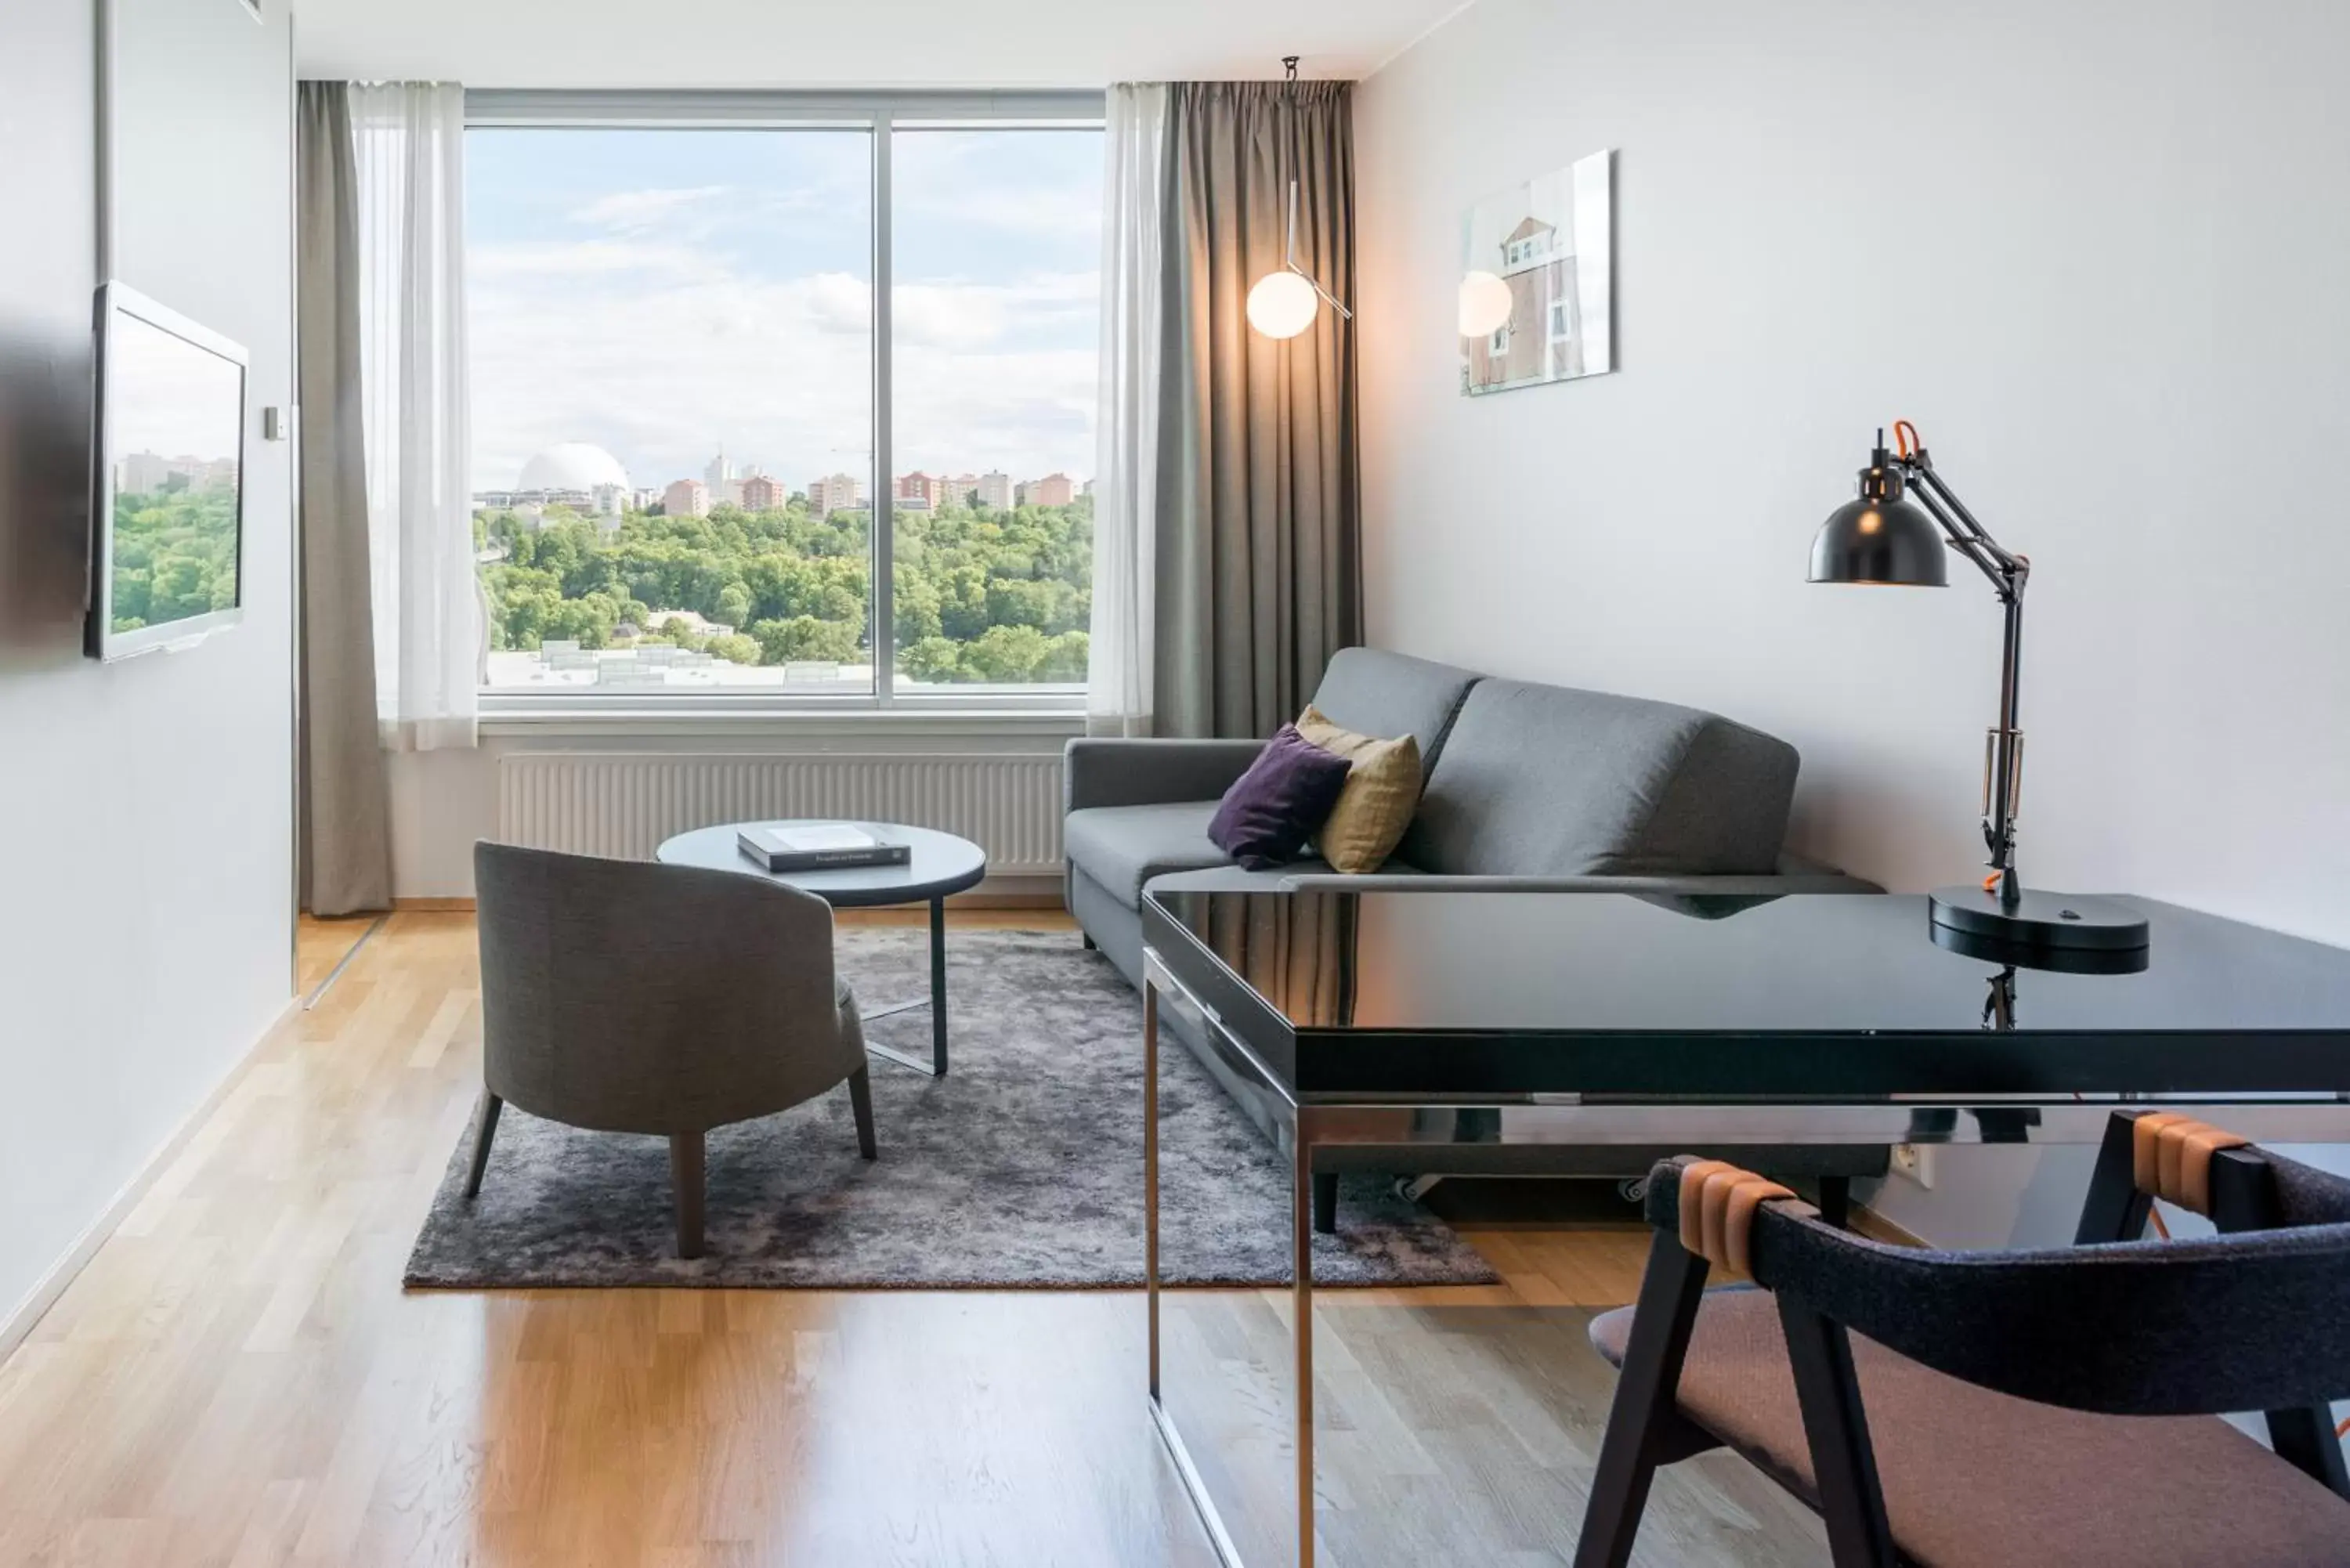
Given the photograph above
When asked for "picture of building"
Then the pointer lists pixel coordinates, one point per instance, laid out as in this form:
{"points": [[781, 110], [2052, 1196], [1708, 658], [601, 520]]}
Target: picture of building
{"points": [[761, 493], [686, 498], [1538, 282]]}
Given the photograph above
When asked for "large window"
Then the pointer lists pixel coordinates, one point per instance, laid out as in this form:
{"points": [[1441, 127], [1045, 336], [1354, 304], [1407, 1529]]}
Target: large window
{"points": [[705, 464]]}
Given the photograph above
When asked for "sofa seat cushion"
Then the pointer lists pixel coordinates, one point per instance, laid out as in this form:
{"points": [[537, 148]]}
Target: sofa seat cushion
{"points": [[1123, 846], [1974, 1476]]}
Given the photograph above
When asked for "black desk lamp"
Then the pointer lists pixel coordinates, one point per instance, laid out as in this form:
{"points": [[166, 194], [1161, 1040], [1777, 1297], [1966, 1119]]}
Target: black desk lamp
{"points": [[1885, 537]]}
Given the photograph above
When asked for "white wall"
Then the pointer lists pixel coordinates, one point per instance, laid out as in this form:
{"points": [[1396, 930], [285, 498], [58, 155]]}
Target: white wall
{"points": [[145, 807], [2094, 250]]}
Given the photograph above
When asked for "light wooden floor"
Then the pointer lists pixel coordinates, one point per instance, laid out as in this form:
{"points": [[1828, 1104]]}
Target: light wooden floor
{"points": [[319, 945], [238, 1380]]}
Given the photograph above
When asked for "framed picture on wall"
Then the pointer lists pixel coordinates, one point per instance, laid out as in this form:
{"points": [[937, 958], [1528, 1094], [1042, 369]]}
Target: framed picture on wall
{"points": [[1538, 281], [168, 529]]}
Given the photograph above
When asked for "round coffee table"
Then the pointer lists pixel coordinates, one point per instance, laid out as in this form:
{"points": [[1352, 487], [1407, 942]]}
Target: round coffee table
{"points": [[941, 864]]}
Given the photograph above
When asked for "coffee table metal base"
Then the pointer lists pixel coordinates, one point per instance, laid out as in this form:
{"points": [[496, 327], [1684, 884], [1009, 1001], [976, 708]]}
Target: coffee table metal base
{"points": [[936, 1067]]}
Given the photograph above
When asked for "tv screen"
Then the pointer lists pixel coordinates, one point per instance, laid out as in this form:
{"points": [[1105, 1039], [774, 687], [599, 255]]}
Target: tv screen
{"points": [[171, 480]]}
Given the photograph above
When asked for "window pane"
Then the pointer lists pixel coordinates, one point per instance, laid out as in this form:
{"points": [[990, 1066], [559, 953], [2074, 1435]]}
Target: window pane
{"points": [[997, 256], [672, 343]]}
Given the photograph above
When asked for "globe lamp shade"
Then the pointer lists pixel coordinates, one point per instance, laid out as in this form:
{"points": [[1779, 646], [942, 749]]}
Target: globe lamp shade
{"points": [[1282, 305], [1485, 304]]}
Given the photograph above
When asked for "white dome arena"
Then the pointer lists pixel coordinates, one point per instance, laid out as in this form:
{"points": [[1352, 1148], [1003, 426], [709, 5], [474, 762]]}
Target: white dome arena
{"points": [[573, 465]]}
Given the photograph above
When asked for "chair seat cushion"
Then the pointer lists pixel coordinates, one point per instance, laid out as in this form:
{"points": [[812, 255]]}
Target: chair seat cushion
{"points": [[1971, 1476]]}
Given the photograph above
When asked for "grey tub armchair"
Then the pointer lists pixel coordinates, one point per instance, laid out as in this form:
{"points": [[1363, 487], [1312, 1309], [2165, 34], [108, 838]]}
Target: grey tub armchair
{"points": [[630, 997]]}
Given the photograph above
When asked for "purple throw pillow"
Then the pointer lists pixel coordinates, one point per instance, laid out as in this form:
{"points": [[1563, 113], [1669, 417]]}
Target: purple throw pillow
{"points": [[1270, 812]]}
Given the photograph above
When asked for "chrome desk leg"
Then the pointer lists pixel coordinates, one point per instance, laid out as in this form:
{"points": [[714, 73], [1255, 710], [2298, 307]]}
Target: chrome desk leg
{"points": [[1194, 1486], [1150, 1171], [1300, 1258]]}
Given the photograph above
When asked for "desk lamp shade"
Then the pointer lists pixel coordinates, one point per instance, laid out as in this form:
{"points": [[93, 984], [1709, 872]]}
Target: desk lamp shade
{"points": [[1881, 537]]}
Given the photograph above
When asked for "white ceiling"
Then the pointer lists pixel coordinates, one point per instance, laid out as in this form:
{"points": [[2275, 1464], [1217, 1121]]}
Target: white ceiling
{"points": [[844, 43]]}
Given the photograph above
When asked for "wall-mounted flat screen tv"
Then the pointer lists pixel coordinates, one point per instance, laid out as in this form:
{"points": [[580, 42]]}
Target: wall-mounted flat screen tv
{"points": [[169, 535]]}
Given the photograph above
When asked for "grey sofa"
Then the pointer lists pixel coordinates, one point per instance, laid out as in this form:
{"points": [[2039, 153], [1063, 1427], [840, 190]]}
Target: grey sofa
{"points": [[1528, 787]]}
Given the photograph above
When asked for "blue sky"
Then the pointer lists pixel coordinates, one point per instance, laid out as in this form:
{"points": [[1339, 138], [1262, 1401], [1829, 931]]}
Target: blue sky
{"points": [[660, 291]]}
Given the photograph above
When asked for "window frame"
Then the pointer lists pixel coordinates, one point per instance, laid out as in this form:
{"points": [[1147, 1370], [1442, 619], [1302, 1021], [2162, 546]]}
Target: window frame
{"points": [[880, 113]]}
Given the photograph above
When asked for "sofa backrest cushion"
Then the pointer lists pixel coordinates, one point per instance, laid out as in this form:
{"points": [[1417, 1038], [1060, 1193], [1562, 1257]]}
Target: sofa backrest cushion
{"points": [[1390, 695], [1549, 781]]}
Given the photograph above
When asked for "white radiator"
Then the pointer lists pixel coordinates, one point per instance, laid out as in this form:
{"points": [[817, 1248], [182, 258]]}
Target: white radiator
{"points": [[623, 804]]}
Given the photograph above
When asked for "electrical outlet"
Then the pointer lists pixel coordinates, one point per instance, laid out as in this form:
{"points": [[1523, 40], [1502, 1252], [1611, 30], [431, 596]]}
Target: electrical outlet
{"points": [[1915, 1162]]}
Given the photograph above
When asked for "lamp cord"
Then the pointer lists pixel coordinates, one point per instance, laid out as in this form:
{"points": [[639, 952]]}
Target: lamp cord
{"points": [[1289, 150]]}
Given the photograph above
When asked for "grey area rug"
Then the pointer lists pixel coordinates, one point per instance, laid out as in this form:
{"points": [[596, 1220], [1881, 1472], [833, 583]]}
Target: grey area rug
{"points": [[1023, 1168]]}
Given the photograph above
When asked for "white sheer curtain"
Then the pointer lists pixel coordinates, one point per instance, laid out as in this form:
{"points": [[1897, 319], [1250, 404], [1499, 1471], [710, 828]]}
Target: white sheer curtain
{"points": [[407, 143], [1135, 192]]}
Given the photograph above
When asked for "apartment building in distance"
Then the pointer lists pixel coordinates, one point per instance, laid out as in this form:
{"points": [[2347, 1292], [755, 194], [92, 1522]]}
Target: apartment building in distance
{"points": [[1053, 489], [834, 492]]}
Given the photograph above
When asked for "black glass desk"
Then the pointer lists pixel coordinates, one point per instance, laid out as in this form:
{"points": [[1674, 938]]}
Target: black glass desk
{"points": [[1421, 1021]]}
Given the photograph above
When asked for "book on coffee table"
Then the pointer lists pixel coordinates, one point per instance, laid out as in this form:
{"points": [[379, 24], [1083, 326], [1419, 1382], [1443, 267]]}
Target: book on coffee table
{"points": [[819, 846]]}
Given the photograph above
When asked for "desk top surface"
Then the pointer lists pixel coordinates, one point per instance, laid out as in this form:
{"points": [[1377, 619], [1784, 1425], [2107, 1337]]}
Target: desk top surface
{"points": [[1857, 978]]}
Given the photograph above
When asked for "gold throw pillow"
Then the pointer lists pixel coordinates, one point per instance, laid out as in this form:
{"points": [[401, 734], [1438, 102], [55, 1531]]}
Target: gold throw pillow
{"points": [[1382, 791]]}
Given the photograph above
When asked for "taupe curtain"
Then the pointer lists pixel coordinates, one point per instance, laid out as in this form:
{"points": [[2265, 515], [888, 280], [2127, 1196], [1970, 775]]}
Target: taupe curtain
{"points": [[1257, 546], [346, 810]]}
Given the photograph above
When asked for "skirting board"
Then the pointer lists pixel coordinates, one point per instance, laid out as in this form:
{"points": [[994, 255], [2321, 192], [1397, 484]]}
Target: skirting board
{"points": [[26, 1315], [1868, 1223]]}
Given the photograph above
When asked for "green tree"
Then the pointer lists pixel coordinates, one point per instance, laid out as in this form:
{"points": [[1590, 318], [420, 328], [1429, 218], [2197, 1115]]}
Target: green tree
{"points": [[933, 660], [733, 647], [1003, 655], [981, 596], [733, 604]]}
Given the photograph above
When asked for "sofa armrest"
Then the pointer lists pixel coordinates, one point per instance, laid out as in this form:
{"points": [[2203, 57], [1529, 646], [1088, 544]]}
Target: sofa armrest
{"points": [[1118, 772]]}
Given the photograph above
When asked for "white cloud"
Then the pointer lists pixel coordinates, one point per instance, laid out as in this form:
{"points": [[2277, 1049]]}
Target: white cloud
{"points": [[552, 261], [633, 211], [661, 354], [842, 303]]}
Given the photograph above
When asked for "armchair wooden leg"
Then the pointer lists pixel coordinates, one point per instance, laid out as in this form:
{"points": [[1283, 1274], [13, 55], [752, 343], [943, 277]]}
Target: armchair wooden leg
{"points": [[860, 1104], [485, 1127], [685, 1170]]}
